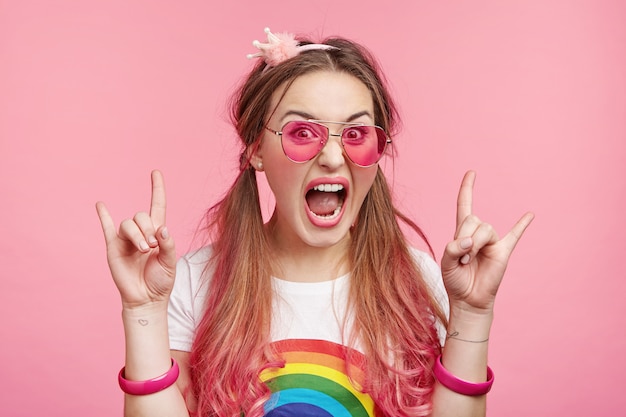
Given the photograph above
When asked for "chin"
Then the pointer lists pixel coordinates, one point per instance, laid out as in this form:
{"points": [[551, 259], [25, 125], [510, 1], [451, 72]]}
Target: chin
{"points": [[327, 237]]}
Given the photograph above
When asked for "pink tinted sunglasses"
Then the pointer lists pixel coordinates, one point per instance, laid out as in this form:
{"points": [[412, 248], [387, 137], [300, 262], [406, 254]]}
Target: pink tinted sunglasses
{"points": [[302, 140]]}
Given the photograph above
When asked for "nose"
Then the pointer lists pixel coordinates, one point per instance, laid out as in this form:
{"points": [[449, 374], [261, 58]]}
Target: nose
{"points": [[332, 156]]}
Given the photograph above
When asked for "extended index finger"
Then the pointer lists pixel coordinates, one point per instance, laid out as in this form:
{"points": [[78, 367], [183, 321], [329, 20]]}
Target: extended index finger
{"points": [[158, 203], [464, 200]]}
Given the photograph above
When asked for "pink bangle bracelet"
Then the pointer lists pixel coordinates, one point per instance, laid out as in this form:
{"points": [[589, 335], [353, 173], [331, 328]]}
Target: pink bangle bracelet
{"points": [[149, 386], [460, 386]]}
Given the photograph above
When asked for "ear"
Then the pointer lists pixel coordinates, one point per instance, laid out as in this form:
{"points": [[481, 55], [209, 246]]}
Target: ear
{"points": [[256, 160], [257, 163]]}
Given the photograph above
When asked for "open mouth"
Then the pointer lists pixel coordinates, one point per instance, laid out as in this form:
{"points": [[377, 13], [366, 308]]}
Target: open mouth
{"points": [[325, 200]]}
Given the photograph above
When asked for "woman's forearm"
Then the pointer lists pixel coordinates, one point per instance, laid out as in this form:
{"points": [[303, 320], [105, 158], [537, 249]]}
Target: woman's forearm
{"points": [[465, 357], [147, 357]]}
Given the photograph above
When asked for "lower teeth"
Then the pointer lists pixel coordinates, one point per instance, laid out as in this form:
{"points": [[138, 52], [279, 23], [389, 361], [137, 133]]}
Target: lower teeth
{"points": [[329, 216]]}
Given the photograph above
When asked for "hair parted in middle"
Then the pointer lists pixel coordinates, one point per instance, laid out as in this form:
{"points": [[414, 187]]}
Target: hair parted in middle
{"points": [[394, 311]]}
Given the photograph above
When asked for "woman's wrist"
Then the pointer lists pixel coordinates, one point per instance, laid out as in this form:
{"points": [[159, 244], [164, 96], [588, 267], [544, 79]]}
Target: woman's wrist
{"points": [[470, 316], [468, 326], [148, 321], [468, 312], [149, 309]]}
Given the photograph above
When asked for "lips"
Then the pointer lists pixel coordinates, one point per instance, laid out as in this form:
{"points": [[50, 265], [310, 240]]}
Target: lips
{"points": [[325, 201]]}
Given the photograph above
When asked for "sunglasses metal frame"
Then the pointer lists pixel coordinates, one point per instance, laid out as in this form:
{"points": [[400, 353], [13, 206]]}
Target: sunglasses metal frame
{"points": [[329, 134]]}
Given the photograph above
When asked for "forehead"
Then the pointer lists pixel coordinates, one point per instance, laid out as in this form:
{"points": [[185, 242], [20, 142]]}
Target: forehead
{"points": [[326, 95]]}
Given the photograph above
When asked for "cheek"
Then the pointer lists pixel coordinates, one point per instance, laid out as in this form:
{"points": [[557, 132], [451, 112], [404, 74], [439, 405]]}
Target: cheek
{"points": [[285, 180], [363, 182], [276, 165]]}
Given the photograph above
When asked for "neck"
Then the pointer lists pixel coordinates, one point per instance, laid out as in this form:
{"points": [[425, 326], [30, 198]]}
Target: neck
{"points": [[296, 261]]}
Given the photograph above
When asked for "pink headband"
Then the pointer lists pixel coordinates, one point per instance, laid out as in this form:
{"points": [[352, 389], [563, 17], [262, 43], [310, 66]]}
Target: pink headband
{"points": [[282, 46]]}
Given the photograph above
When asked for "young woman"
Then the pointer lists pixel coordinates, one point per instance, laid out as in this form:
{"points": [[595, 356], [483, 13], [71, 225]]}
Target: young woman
{"points": [[325, 309]]}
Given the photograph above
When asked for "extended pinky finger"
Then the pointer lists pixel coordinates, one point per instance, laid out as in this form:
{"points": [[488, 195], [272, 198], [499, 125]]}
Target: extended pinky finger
{"points": [[515, 234], [106, 221]]}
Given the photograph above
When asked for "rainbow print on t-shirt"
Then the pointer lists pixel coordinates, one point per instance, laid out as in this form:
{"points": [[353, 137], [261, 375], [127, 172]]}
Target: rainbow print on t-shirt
{"points": [[314, 381]]}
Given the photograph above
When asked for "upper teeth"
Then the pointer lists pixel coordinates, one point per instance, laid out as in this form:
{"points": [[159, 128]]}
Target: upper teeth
{"points": [[328, 188]]}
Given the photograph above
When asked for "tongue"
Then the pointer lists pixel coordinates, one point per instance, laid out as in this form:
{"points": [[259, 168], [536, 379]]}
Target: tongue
{"points": [[322, 203]]}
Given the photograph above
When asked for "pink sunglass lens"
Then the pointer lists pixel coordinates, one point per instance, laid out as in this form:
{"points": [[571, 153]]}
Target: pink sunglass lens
{"points": [[303, 140], [364, 144]]}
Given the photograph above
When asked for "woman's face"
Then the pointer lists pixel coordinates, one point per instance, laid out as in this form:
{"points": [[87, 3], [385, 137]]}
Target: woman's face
{"points": [[304, 215]]}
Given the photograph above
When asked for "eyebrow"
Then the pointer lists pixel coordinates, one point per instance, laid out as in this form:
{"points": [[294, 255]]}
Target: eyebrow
{"points": [[309, 116]]}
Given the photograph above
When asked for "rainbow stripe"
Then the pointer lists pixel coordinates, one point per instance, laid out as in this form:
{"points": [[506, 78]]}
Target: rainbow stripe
{"points": [[314, 381]]}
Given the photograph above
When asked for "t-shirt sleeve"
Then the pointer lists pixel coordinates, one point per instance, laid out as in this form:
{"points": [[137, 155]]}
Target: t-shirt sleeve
{"points": [[180, 317], [432, 275], [186, 304]]}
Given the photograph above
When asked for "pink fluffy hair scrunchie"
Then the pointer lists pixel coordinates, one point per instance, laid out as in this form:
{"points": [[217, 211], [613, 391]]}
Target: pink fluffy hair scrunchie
{"points": [[281, 47]]}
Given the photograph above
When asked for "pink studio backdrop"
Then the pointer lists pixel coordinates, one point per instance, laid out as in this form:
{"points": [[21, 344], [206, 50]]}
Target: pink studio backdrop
{"points": [[530, 94]]}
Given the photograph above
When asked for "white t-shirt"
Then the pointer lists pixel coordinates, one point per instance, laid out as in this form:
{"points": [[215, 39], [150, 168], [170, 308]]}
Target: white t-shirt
{"points": [[306, 330], [301, 309]]}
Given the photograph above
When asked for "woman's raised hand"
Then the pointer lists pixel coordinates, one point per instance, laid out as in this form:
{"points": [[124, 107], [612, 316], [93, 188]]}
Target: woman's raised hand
{"points": [[141, 255], [473, 264]]}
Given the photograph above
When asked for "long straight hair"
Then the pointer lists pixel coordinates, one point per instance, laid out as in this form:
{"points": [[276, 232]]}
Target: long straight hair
{"points": [[394, 311]]}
